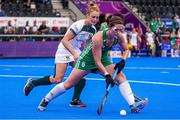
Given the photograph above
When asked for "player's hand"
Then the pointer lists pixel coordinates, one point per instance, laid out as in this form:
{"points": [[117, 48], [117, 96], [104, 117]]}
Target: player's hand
{"points": [[75, 56], [120, 65], [109, 81]]}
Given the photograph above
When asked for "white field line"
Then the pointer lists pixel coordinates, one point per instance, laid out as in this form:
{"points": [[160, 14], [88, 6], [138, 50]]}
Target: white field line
{"points": [[101, 79], [131, 68]]}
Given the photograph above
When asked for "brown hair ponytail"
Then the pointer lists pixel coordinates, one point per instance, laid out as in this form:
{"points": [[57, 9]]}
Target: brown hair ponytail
{"points": [[115, 20]]}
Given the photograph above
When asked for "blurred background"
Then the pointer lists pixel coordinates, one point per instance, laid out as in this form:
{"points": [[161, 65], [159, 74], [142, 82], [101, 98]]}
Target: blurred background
{"points": [[33, 28]]}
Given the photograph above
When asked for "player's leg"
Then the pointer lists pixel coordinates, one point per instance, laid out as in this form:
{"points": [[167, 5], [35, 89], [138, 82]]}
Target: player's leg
{"points": [[76, 102], [126, 91], [60, 70], [124, 86], [30, 84], [62, 87]]}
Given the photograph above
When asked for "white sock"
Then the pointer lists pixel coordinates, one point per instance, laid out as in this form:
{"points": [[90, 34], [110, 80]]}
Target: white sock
{"points": [[177, 53], [129, 55], [172, 52], [126, 92], [56, 91]]}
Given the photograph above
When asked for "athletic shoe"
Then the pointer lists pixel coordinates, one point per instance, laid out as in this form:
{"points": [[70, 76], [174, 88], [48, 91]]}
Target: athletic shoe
{"points": [[42, 105], [137, 98], [77, 103], [138, 106], [28, 87]]}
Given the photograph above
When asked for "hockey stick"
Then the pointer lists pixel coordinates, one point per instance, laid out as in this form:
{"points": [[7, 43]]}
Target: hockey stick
{"points": [[99, 110]]}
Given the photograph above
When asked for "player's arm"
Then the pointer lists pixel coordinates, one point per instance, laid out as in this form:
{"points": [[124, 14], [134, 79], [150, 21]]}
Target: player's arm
{"points": [[67, 37], [138, 38], [97, 52], [124, 46], [120, 65]]}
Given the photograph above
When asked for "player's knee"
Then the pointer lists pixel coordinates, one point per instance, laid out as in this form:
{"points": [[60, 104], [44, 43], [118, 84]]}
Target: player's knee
{"points": [[121, 77], [68, 84]]}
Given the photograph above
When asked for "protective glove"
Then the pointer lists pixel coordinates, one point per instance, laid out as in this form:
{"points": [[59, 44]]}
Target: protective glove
{"points": [[109, 81], [120, 65]]}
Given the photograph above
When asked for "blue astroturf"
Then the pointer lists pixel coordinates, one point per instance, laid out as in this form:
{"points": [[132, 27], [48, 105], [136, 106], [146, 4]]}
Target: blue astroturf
{"points": [[158, 79]]}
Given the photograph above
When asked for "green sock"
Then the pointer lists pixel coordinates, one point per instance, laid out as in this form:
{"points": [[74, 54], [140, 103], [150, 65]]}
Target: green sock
{"points": [[78, 89], [42, 81]]}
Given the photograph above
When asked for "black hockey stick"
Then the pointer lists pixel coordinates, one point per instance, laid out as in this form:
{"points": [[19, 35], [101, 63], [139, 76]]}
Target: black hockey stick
{"points": [[99, 110]]}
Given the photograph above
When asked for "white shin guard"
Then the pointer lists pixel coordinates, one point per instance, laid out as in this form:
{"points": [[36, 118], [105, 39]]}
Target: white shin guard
{"points": [[56, 91], [126, 92]]}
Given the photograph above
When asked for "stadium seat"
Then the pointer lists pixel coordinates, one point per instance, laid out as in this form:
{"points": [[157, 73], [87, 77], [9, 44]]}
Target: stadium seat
{"points": [[144, 2], [167, 2], [173, 2]]}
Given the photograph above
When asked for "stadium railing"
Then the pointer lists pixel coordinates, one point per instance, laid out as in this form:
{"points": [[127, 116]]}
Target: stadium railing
{"points": [[28, 45]]}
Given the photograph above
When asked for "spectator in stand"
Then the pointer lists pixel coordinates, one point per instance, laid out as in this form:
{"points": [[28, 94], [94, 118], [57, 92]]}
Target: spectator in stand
{"points": [[43, 29], [173, 42], [178, 43], [134, 39], [177, 21], [2, 12], [158, 44], [28, 3], [45, 1], [34, 28], [9, 29], [153, 25], [65, 4], [159, 24], [27, 30], [140, 33], [150, 42], [54, 31], [62, 30], [33, 7]]}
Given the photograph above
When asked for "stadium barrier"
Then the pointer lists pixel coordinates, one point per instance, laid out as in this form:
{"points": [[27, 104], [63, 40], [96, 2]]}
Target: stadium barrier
{"points": [[30, 48]]}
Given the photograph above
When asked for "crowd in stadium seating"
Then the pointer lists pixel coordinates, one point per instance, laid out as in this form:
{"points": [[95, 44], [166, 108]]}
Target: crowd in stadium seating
{"points": [[166, 38], [42, 29], [162, 8], [29, 8], [158, 38]]}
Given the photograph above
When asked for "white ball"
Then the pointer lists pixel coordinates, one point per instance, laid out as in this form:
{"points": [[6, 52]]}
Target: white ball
{"points": [[123, 112], [146, 99]]}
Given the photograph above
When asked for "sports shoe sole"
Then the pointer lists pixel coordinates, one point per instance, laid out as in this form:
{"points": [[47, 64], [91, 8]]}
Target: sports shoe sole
{"points": [[42, 107], [140, 107], [24, 89], [70, 105]]}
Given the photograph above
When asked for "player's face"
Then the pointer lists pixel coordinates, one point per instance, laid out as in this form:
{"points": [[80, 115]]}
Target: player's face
{"points": [[94, 17], [118, 28]]}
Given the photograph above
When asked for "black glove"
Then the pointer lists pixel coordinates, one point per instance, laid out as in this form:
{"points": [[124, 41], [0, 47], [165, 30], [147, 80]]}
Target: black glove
{"points": [[109, 80], [120, 65]]}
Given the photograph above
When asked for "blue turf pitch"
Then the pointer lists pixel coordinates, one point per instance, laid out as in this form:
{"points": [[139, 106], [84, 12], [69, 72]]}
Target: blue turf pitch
{"points": [[155, 78]]}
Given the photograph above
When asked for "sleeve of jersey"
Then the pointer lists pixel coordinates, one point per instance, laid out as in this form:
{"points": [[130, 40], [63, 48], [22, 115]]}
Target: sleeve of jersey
{"points": [[76, 27]]}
